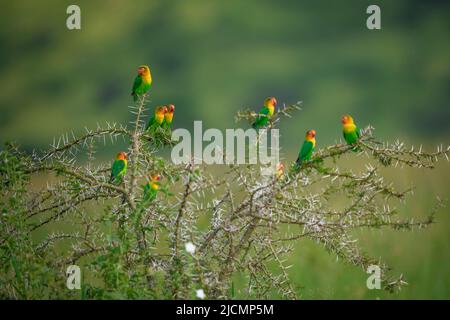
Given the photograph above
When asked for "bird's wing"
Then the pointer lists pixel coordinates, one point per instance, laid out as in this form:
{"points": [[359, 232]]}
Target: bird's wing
{"points": [[136, 84], [117, 168], [264, 110], [146, 189], [149, 193], [351, 137], [150, 122], [358, 132], [306, 149], [262, 118]]}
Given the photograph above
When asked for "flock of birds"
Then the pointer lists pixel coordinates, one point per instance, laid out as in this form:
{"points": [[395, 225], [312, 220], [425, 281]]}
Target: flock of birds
{"points": [[163, 118]]}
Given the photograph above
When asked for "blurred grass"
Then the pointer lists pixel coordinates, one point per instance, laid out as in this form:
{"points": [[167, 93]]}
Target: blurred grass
{"points": [[420, 255], [211, 58]]}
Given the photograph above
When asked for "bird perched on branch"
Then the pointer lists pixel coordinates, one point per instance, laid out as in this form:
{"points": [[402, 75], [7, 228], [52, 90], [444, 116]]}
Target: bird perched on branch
{"points": [[142, 82], [119, 168], [351, 131], [279, 171], [168, 116], [152, 187], [157, 119], [308, 147], [265, 113]]}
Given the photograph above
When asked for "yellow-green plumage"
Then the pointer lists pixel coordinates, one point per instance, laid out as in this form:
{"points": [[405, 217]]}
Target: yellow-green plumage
{"points": [[168, 116], [142, 82], [151, 188], [265, 113], [119, 168], [157, 119], [350, 131], [307, 148]]}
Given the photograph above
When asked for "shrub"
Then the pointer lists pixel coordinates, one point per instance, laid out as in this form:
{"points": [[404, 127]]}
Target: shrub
{"points": [[235, 220]]}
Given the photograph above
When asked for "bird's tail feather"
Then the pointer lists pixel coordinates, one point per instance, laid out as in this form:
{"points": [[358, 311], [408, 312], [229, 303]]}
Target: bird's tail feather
{"points": [[115, 180]]}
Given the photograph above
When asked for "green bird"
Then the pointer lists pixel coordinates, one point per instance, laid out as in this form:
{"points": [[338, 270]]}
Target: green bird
{"points": [[142, 82], [158, 118], [168, 116], [279, 171], [119, 168], [351, 131], [308, 147], [265, 113], [152, 187]]}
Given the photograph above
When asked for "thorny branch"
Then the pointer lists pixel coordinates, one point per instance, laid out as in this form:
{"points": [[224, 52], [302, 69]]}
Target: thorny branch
{"points": [[239, 220]]}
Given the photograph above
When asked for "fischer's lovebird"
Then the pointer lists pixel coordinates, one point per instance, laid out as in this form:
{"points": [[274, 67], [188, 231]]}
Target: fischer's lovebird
{"points": [[142, 82], [308, 147], [168, 116], [265, 113], [279, 172], [119, 168], [351, 131], [152, 187], [158, 118]]}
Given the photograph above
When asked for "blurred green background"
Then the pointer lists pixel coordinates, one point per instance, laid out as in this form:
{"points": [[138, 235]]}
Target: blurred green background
{"points": [[211, 58]]}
